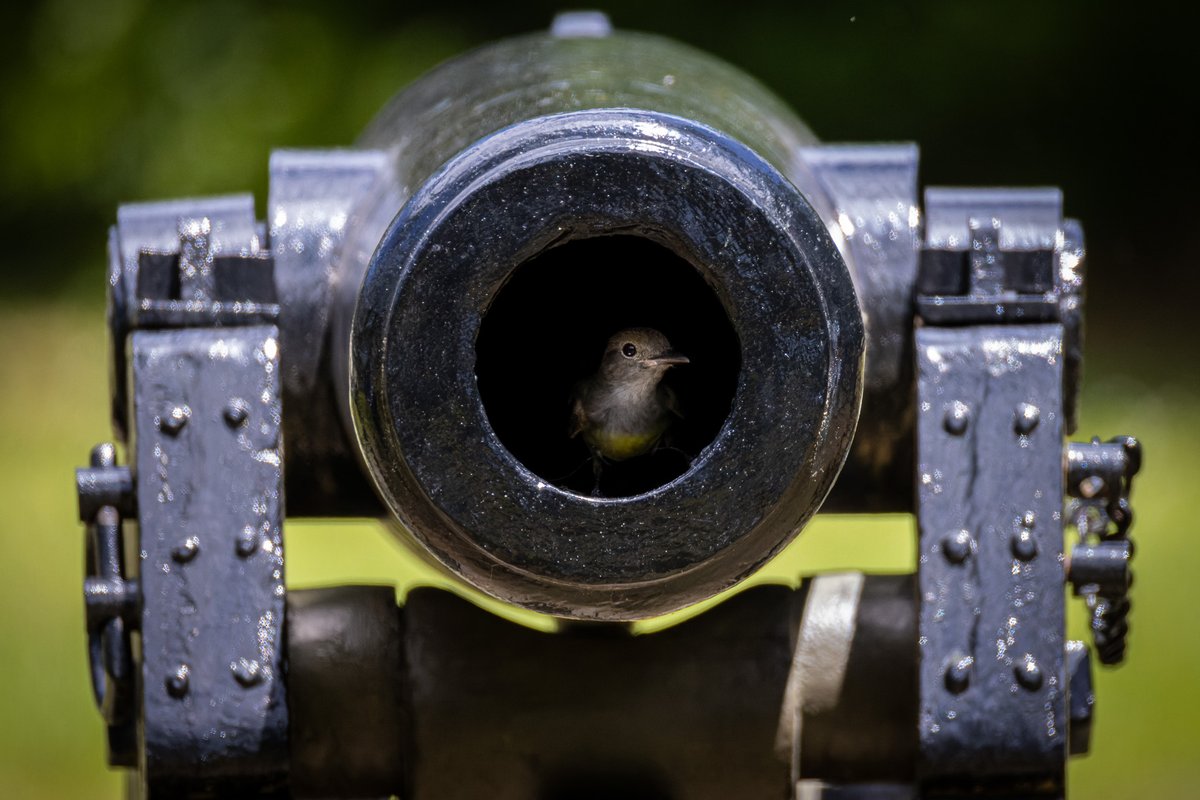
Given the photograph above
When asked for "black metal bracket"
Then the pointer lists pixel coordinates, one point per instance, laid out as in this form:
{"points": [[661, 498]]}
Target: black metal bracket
{"points": [[994, 342], [210, 496], [989, 498], [200, 706]]}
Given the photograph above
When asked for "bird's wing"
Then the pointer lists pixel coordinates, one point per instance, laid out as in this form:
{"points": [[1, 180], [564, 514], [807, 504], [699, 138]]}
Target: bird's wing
{"points": [[671, 401], [578, 417]]}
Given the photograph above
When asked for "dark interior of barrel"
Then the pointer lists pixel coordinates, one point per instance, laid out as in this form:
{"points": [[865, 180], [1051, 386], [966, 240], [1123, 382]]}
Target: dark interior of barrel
{"points": [[546, 330]]}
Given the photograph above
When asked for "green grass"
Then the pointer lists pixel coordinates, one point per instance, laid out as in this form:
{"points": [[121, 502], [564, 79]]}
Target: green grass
{"points": [[53, 407]]}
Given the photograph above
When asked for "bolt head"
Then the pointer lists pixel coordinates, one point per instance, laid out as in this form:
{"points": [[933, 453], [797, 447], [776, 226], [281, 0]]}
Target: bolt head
{"points": [[1028, 673], [957, 546], [957, 418], [173, 421], [247, 542], [236, 412], [247, 672], [186, 551], [178, 683], [958, 673], [1024, 546], [1027, 418]]}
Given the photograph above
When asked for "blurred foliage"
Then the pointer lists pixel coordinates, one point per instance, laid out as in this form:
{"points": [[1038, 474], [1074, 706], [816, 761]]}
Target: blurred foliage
{"points": [[116, 100]]}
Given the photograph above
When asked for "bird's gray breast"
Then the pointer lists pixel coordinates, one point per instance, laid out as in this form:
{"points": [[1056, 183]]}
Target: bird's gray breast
{"points": [[634, 408]]}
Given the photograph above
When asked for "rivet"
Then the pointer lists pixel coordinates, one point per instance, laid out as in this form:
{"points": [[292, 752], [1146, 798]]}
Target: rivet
{"points": [[236, 412], [247, 542], [104, 455], [177, 682], [958, 415], [957, 546], [958, 673], [173, 421], [1027, 418], [1028, 673], [186, 551], [1024, 546], [246, 671]]}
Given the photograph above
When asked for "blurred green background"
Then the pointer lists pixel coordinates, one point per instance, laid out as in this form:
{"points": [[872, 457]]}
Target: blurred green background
{"points": [[104, 102]]}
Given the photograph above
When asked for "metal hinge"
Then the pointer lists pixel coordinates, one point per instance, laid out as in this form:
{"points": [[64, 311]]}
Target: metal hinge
{"points": [[1099, 481]]}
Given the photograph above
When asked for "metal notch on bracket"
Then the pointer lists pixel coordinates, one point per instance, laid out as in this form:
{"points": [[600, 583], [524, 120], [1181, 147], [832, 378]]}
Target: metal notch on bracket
{"points": [[150, 284], [993, 256]]}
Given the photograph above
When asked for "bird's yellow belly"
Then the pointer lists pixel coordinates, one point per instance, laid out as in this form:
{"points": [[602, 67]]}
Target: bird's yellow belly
{"points": [[620, 445]]}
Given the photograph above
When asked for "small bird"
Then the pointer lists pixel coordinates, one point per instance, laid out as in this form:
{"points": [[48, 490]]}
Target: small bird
{"points": [[624, 409]]}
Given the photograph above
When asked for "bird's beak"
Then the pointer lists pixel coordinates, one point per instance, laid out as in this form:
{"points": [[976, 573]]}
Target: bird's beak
{"points": [[667, 359]]}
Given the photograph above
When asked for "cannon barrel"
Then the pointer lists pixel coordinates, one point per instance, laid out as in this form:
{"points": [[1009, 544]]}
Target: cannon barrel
{"points": [[578, 186], [441, 287]]}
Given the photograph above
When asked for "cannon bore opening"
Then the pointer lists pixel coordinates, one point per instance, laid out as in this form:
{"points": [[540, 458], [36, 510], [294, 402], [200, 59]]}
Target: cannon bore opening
{"points": [[546, 330]]}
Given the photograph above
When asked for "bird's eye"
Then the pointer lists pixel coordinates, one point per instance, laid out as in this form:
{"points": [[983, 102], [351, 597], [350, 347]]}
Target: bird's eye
{"points": [[629, 350]]}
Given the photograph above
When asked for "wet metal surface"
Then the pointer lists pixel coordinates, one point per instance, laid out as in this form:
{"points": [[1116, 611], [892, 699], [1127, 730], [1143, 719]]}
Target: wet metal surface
{"points": [[213, 701], [349, 693], [868, 198], [992, 693], [317, 197], [503, 712], [763, 251]]}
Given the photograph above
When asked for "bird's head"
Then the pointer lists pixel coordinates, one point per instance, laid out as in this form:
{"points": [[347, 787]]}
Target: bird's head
{"points": [[642, 352]]}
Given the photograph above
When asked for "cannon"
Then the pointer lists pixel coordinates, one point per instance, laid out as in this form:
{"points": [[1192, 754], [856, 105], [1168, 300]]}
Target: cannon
{"points": [[399, 338]]}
